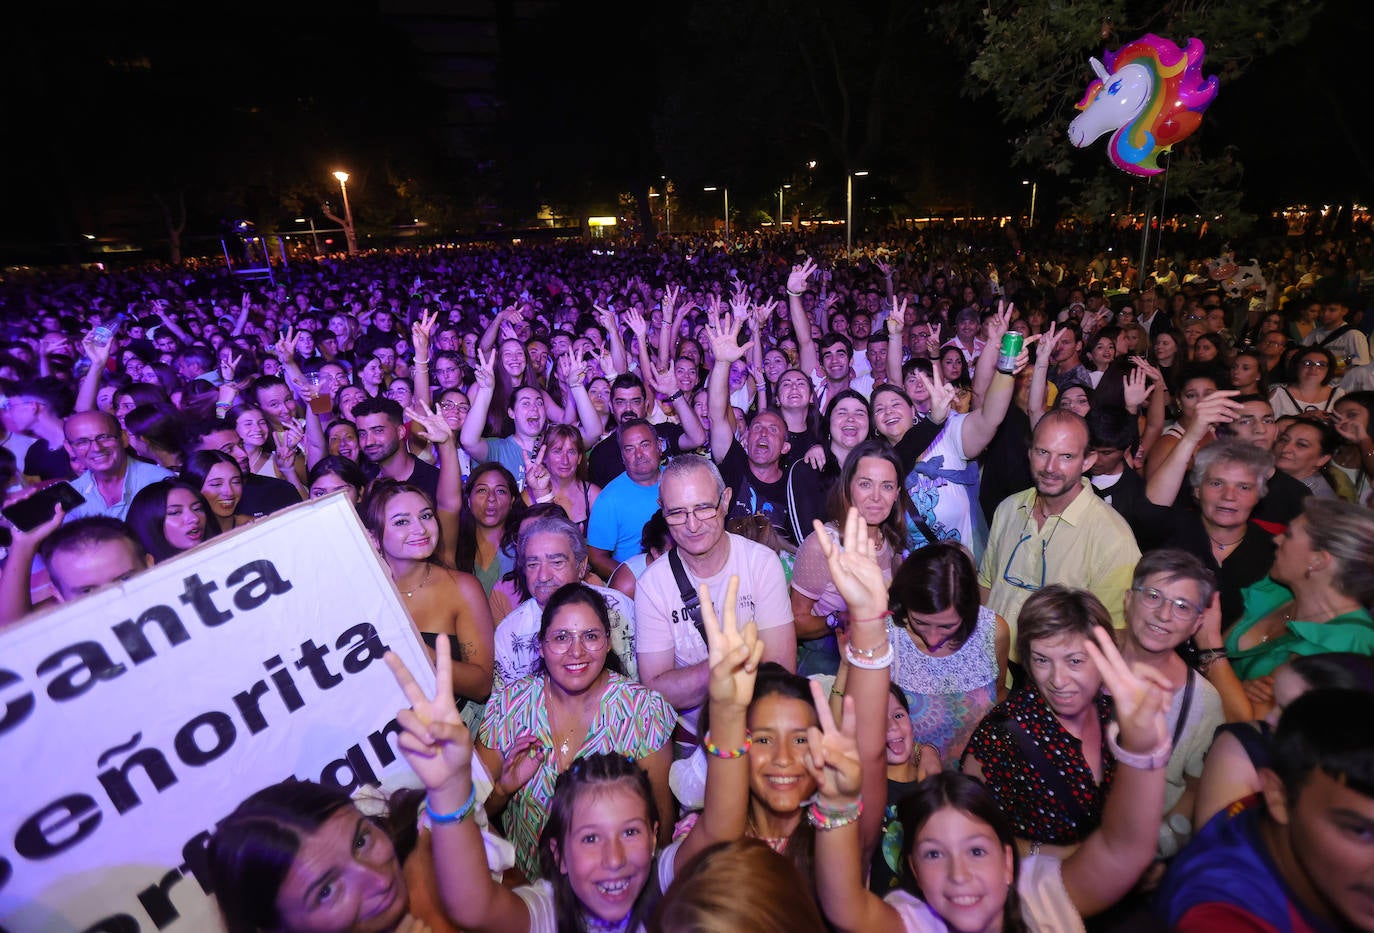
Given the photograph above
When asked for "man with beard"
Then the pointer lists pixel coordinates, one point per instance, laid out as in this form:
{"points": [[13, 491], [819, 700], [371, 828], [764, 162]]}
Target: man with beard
{"points": [[604, 462], [1057, 531], [382, 433]]}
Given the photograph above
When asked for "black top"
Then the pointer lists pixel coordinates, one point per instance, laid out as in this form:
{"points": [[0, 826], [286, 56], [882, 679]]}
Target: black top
{"points": [[263, 495], [1150, 523], [46, 463], [604, 462], [1247, 564], [752, 496]]}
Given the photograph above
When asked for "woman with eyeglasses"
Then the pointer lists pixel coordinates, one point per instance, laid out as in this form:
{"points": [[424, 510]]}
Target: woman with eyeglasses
{"points": [[1309, 373], [1043, 751], [579, 704]]}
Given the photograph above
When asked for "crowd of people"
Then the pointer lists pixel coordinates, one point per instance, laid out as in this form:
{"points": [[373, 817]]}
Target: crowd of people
{"points": [[938, 585]]}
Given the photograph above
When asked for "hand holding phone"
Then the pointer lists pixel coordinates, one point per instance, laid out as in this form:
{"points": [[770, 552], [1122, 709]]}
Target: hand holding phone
{"points": [[33, 510]]}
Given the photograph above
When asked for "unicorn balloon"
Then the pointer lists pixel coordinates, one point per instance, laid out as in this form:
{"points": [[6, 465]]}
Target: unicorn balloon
{"points": [[1152, 94]]}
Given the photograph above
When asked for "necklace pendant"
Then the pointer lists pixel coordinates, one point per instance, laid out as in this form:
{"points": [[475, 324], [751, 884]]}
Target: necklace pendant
{"points": [[563, 749]]}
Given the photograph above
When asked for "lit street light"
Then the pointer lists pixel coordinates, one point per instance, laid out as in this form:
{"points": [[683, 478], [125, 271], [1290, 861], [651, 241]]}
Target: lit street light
{"points": [[849, 210], [1033, 186], [314, 235], [780, 204], [348, 215], [727, 209]]}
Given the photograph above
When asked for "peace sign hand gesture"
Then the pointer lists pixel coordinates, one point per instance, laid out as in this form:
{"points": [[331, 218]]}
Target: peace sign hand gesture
{"points": [[832, 752], [420, 331], [796, 281], [428, 423], [538, 479], [485, 372], [942, 394], [227, 364], [854, 569], [896, 318], [1140, 694], [734, 653], [435, 743]]}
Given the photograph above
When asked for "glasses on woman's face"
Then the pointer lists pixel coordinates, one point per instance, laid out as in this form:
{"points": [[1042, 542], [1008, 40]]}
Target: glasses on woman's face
{"points": [[451, 405], [561, 642], [1180, 610], [1314, 364]]}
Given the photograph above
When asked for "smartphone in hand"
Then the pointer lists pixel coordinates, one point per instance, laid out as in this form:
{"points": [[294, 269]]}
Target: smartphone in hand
{"points": [[32, 511]]}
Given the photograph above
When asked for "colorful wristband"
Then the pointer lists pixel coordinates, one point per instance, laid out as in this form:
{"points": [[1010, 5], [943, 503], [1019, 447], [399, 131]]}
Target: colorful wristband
{"points": [[457, 816], [711, 749]]}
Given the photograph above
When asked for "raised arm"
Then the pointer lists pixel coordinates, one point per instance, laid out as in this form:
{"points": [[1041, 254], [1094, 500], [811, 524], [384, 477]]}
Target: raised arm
{"points": [[724, 336], [573, 372], [471, 436], [734, 656], [493, 330], [986, 367], [241, 321], [419, 341], [1110, 861], [606, 317], [1164, 481], [430, 425], [16, 581], [159, 306], [1040, 377], [439, 749], [983, 421], [99, 355], [801, 327], [896, 329], [662, 382]]}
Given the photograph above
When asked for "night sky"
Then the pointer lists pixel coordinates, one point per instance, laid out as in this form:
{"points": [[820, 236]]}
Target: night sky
{"points": [[492, 108]]}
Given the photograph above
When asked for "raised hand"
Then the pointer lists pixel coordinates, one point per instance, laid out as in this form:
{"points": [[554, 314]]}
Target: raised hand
{"points": [[572, 369], [520, 763], [854, 569], [725, 338], [485, 372], [662, 381], [1217, 408], [763, 313], [1141, 695], [638, 326], [796, 281], [538, 479], [896, 318], [942, 394], [733, 653], [999, 322], [1137, 388], [285, 347], [98, 353], [884, 268], [434, 741], [605, 317], [428, 423], [670, 296], [227, 366], [832, 752], [420, 332]]}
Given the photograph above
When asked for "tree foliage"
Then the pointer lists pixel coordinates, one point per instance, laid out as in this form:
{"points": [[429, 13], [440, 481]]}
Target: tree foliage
{"points": [[1031, 58]]}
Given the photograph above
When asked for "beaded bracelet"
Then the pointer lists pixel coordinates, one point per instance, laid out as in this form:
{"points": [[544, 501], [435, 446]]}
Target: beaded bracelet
{"points": [[870, 663], [710, 747], [824, 818], [457, 816]]}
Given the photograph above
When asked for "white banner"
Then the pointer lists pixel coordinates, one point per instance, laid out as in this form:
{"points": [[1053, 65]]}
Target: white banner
{"points": [[133, 720]]}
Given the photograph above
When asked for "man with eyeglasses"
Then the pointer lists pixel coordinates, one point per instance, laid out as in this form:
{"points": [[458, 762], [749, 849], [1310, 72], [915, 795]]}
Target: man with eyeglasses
{"points": [[1170, 590], [672, 651], [550, 553], [1058, 531], [112, 478]]}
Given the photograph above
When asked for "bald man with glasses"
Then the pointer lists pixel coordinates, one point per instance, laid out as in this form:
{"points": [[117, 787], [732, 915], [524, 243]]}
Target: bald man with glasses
{"points": [[112, 478]]}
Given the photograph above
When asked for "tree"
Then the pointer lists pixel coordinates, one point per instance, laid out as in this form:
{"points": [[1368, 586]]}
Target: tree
{"points": [[1031, 58]]}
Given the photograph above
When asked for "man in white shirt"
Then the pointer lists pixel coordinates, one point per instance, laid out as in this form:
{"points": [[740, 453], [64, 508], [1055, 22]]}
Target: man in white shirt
{"points": [[1346, 342], [672, 650], [549, 554]]}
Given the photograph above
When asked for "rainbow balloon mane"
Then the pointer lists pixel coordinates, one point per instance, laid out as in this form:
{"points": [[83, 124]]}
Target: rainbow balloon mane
{"points": [[1152, 93]]}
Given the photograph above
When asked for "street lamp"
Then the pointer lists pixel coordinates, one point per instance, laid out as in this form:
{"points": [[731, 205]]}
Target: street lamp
{"points": [[1033, 186], [727, 209], [667, 207], [780, 204], [348, 214], [313, 234], [849, 210]]}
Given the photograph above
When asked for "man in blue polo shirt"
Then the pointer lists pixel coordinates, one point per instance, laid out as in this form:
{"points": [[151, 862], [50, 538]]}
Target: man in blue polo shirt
{"points": [[628, 501]]}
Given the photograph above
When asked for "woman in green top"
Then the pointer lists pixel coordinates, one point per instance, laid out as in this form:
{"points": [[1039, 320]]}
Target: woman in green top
{"points": [[1314, 599]]}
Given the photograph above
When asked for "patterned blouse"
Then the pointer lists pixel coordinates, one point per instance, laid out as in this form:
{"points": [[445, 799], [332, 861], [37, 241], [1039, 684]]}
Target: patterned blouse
{"points": [[1024, 794], [632, 720], [948, 695]]}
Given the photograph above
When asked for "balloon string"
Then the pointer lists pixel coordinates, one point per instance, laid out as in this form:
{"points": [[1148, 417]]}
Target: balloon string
{"points": [[1163, 197]]}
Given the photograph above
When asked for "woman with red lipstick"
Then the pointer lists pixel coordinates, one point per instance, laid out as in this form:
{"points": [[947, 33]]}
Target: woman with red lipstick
{"points": [[579, 705]]}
